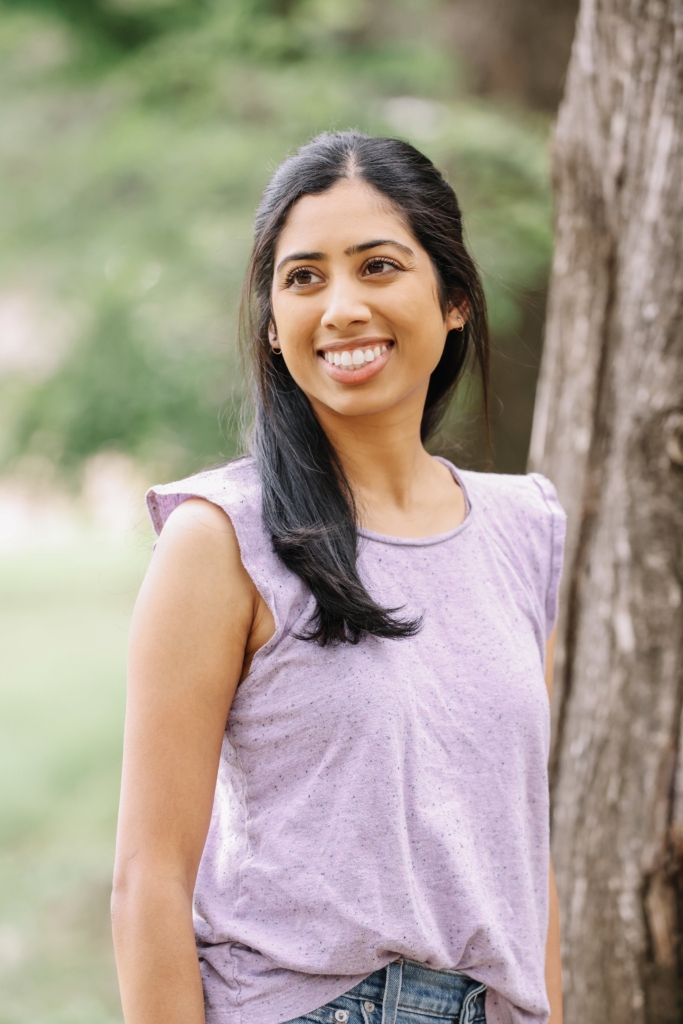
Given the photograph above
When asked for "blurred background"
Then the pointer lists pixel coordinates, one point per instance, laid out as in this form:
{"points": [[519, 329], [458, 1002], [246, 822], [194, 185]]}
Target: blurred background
{"points": [[135, 138]]}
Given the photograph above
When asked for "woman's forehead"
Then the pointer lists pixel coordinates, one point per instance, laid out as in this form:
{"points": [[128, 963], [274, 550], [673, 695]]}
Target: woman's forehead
{"points": [[335, 220]]}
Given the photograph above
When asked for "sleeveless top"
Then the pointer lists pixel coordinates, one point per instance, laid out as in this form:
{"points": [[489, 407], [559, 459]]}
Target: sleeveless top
{"points": [[391, 798]]}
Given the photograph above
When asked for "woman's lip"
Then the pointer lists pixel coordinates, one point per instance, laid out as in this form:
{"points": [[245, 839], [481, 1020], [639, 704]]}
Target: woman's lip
{"points": [[359, 376]]}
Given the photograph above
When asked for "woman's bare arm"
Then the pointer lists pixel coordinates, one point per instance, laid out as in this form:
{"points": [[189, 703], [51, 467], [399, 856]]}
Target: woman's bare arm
{"points": [[197, 620], [553, 961]]}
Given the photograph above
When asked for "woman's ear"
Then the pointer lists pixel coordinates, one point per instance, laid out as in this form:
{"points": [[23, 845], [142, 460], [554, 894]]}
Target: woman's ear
{"points": [[458, 314], [272, 333]]}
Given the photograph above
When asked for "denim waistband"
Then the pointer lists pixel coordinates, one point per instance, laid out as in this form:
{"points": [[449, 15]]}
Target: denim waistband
{"points": [[412, 986]]}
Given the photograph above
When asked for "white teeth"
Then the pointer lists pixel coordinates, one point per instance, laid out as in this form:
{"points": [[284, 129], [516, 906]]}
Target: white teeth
{"points": [[355, 359]]}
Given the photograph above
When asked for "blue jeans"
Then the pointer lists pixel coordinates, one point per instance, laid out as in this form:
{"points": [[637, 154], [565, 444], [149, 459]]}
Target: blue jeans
{"points": [[405, 992]]}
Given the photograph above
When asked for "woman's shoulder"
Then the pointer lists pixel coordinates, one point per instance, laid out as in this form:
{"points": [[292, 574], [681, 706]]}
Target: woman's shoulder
{"points": [[524, 516], [513, 497], [234, 487]]}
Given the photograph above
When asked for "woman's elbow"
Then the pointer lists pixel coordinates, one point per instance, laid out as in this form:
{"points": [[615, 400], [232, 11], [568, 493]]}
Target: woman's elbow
{"points": [[143, 890]]}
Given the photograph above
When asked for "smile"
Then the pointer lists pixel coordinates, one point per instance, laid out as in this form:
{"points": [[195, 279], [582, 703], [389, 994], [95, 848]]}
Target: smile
{"points": [[355, 366]]}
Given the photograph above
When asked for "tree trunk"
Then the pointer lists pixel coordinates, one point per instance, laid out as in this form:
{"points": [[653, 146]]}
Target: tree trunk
{"points": [[608, 430]]}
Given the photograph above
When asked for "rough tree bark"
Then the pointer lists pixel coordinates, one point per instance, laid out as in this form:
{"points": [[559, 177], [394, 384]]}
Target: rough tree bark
{"points": [[608, 429]]}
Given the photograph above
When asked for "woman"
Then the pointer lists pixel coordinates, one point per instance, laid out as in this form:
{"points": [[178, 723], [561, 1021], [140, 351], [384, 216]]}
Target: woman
{"points": [[367, 839]]}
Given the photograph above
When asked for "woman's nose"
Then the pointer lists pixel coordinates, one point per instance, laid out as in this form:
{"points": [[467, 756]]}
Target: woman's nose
{"points": [[345, 307]]}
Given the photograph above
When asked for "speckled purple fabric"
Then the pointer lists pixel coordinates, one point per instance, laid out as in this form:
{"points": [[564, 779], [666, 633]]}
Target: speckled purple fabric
{"points": [[391, 798]]}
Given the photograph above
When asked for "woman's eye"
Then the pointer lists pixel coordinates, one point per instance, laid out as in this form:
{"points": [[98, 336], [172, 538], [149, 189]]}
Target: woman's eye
{"points": [[382, 266], [302, 276]]}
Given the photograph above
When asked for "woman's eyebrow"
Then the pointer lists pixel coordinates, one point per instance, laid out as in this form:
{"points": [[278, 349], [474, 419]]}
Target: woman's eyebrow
{"points": [[353, 250], [294, 256]]}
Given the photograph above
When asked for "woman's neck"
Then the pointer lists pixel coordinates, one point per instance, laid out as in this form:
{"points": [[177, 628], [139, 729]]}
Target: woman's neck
{"points": [[398, 487]]}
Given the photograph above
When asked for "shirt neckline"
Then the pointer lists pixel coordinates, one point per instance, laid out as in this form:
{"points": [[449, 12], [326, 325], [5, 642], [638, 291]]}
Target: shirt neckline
{"points": [[437, 538]]}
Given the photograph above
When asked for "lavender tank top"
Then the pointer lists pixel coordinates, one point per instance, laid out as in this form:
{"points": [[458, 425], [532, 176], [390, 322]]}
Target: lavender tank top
{"points": [[388, 799]]}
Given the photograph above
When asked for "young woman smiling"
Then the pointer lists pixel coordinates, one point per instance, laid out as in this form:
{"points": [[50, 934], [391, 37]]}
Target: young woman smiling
{"points": [[337, 727]]}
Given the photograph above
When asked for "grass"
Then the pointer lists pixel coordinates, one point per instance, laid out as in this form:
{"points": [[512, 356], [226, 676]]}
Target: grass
{"points": [[64, 616]]}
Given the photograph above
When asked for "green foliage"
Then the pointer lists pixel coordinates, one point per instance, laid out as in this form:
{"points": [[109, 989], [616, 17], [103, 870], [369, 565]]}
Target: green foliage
{"points": [[127, 188], [121, 25]]}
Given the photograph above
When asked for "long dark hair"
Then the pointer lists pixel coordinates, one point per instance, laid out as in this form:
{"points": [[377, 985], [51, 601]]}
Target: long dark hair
{"points": [[308, 505]]}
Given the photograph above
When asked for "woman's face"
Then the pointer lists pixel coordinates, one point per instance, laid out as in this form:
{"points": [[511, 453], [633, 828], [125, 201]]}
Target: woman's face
{"points": [[355, 303]]}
